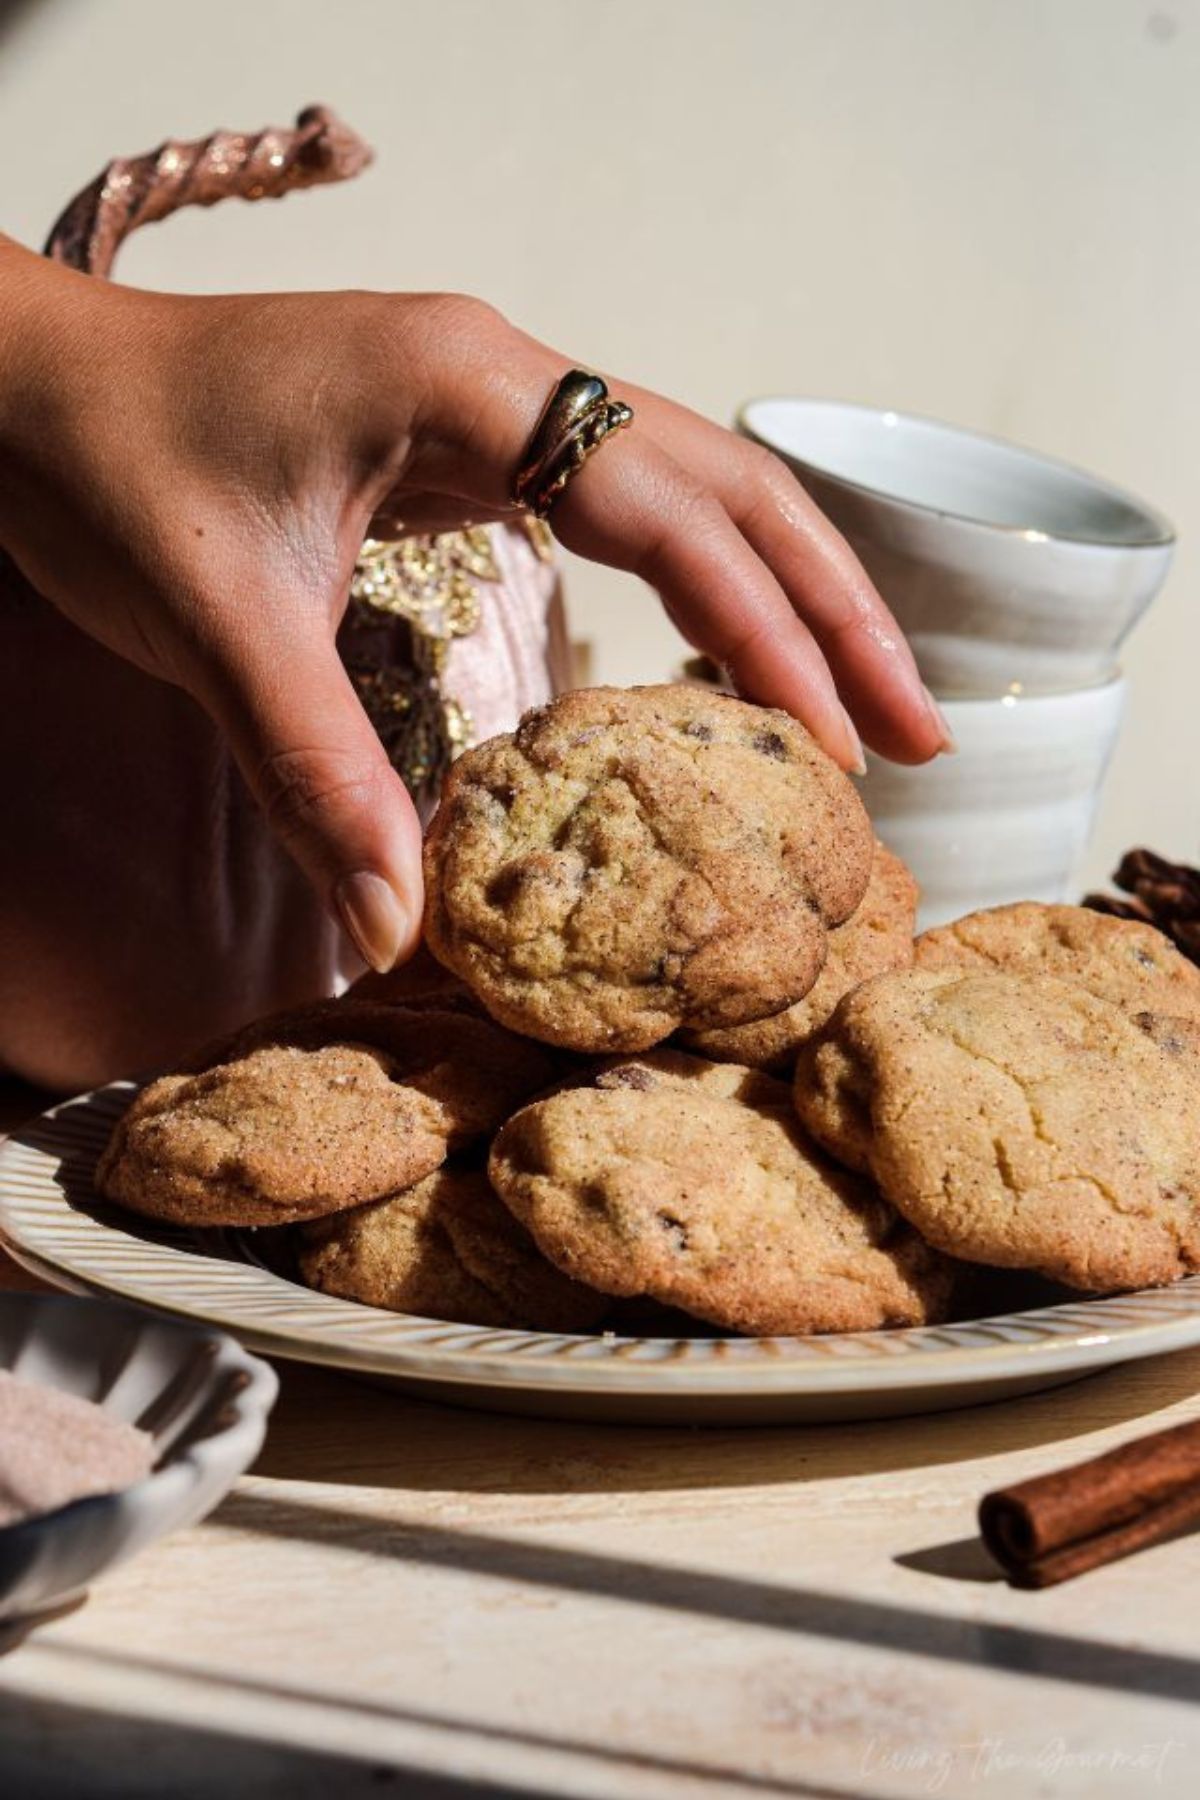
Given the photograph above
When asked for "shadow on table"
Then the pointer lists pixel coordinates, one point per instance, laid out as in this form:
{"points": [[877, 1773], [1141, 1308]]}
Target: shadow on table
{"points": [[961, 1559], [53, 1750], [114, 1756], [328, 1427], [711, 1595], [66, 1750]]}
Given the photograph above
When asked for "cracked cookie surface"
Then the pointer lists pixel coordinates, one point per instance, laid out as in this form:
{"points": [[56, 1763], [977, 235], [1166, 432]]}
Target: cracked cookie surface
{"points": [[634, 860], [446, 1248], [1121, 960], [878, 936], [1017, 1120], [314, 1110], [690, 1183]]}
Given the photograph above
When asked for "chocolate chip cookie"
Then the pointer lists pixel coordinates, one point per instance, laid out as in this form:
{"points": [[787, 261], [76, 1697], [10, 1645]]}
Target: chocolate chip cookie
{"points": [[632, 861], [877, 937], [315, 1110], [1121, 960], [1017, 1120], [691, 1183], [446, 1249]]}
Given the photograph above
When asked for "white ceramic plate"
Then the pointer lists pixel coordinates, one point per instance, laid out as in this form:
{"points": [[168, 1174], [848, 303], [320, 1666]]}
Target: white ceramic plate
{"points": [[51, 1222]]}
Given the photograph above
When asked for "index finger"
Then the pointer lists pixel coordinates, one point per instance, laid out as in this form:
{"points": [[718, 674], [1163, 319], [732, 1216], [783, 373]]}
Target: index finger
{"points": [[637, 505], [825, 582], [632, 507]]}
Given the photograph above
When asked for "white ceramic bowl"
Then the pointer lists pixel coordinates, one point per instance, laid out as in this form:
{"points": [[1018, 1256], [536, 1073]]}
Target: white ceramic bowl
{"points": [[1006, 569], [203, 1399], [1008, 817]]}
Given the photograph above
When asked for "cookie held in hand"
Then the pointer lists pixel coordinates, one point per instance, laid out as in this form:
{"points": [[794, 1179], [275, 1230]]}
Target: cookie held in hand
{"points": [[1017, 1120], [314, 1110], [446, 1248], [878, 936], [691, 1183], [632, 861]]}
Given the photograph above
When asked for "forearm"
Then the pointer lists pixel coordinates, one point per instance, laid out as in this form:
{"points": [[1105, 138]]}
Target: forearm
{"points": [[30, 309], [49, 339], [32, 304]]}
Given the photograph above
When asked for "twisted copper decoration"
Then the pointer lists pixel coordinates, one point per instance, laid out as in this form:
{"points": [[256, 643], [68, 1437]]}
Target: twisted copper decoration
{"points": [[138, 190]]}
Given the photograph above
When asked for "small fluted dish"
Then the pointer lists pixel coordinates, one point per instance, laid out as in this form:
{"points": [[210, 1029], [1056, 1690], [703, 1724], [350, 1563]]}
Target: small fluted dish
{"points": [[203, 1400]]}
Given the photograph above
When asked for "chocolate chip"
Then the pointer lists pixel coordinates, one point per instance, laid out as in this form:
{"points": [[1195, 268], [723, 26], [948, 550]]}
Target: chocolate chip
{"points": [[769, 743], [502, 890], [675, 1228], [696, 728], [631, 1077], [1162, 1030]]}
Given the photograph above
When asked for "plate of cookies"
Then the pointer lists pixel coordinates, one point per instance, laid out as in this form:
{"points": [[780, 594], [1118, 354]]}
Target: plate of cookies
{"points": [[672, 1116]]}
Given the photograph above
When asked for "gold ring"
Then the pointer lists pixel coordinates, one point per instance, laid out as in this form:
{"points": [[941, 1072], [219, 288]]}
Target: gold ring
{"points": [[574, 423]]}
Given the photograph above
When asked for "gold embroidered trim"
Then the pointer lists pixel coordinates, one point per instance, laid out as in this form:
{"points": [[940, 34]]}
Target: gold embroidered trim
{"points": [[410, 599], [540, 536]]}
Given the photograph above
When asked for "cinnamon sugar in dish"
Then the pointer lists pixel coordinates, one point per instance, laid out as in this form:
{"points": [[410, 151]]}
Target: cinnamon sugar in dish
{"points": [[55, 1447]]}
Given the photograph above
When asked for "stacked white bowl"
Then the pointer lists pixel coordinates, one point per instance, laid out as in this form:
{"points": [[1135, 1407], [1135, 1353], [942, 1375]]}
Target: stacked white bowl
{"points": [[1016, 579]]}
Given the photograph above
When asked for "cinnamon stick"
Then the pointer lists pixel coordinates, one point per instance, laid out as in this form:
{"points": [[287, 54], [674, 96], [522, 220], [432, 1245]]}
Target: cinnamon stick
{"points": [[1058, 1526]]}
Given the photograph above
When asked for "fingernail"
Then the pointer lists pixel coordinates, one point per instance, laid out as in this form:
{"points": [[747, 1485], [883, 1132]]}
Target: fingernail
{"points": [[856, 763], [374, 917], [947, 746]]}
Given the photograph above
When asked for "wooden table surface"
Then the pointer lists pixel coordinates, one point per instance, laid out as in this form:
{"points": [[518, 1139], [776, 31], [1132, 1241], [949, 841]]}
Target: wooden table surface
{"points": [[413, 1599]]}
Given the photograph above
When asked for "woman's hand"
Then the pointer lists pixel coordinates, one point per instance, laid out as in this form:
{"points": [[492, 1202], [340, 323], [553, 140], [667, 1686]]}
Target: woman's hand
{"points": [[190, 479]]}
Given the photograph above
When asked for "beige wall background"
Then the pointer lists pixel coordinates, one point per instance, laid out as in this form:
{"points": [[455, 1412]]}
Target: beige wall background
{"points": [[987, 210]]}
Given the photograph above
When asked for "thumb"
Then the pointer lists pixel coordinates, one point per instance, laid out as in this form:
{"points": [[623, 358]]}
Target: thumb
{"points": [[313, 762]]}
